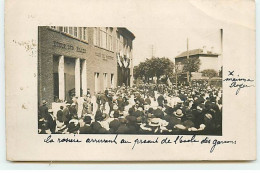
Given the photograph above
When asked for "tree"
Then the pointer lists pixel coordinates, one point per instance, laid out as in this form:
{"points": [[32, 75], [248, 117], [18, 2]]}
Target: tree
{"points": [[154, 67], [191, 65], [209, 73]]}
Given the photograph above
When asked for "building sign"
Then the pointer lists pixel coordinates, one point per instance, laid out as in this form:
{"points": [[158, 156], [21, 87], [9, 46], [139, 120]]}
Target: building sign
{"points": [[105, 57], [68, 47]]}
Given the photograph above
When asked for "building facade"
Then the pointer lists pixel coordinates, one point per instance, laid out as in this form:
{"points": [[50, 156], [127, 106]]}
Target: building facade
{"points": [[74, 59], [208, 59]]}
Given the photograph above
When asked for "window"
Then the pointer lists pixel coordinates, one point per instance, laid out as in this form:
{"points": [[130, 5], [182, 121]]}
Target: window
{"points": [[85, 34], [70, 30], [97, 89], [112, 81], [60, 28], [75, 32], [103, 34], [65, 29], [109, 39], [80, 34], [105, 80], [96, 37], [102, 37]]}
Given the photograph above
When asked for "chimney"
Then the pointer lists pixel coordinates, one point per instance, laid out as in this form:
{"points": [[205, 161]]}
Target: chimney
{"points": [[204, 49]]}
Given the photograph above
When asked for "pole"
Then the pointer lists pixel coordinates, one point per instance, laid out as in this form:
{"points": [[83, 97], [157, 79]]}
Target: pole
{"points": [[176, 74], [188, 76], [221, 49]]}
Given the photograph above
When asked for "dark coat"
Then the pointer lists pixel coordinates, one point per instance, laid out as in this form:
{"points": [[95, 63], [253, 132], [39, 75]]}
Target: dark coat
{"points": [[198, 118], [60, 115], [158, 113], [114, 125], [51, 123], [66, 117], [123, 129], [86, 129], [43, 111], [160, 100]]}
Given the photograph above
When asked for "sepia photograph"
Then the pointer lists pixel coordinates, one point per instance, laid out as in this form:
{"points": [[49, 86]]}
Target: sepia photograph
{"points": [[117, 80], [129, 80]]}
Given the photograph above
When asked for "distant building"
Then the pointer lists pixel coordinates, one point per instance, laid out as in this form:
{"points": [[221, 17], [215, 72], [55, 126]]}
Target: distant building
{"points": [[208, 59], [72, 59]]}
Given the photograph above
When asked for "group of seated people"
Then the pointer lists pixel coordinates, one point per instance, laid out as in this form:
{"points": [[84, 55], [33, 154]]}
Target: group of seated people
{"points": [[142, 109]]}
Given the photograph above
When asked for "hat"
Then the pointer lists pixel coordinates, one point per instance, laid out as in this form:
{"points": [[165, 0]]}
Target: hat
{"points": [[98, 116], [115, 107], [44, 102], [154, 122], [140, 109], [73, 126], [178, 113], [87, 119]]}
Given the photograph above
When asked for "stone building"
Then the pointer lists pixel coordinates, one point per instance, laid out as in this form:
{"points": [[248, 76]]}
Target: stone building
{"points": [[73, 59]]}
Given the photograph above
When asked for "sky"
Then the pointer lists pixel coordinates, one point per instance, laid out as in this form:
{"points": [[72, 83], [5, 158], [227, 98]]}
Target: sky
{"points": [[167, 33]]}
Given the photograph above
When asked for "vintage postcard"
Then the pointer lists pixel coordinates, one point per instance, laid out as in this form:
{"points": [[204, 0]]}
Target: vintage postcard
{"points": [[130, 80]]}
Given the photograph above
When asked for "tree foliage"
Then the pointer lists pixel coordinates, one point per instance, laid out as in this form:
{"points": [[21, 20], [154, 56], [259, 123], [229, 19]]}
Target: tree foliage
{"points": [[209, 73], [154, 67], [191, 65]]}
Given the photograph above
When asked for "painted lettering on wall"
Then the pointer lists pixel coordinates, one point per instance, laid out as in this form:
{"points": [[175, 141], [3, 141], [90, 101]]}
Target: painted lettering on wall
{"points": [[68, 47]]}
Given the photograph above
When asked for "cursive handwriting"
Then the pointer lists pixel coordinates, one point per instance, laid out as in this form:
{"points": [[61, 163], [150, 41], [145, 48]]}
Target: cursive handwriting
{"points": [[213, 143], [144, 141], [216, 142], [93, 140], [179, 139], [238, 82]]}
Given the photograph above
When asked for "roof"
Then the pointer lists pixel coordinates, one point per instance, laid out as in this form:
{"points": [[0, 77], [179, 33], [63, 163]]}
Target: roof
{"points": [[196, 52], [129, 33]]}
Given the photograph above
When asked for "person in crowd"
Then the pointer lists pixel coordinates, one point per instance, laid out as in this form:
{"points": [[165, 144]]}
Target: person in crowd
{"points": [[85, 125], [140, 109], [50, 121], [43, 110]]}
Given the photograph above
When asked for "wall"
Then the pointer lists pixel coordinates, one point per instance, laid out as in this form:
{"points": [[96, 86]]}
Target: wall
{"points": [[98, 59], [209, 62]]}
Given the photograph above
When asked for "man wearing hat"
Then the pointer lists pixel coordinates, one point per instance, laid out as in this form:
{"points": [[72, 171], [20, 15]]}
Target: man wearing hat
{"points": [[73, 110], [66, 114], [198, 114], [122, 129], [175, 121], [50, 121], [73, 126], [114, 124], [133, 127], [158, 113], [43, 110], [86, 128], [96, 126], [60, 114]]}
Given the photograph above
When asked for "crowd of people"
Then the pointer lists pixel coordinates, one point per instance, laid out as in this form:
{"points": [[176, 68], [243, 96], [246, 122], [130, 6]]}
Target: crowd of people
{"points": [[142, 109]]}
